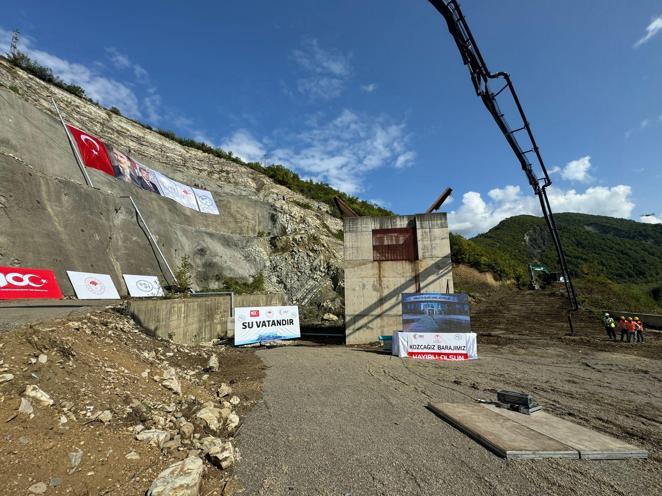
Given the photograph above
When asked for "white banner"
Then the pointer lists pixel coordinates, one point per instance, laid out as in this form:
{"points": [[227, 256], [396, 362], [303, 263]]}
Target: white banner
{"points": [[89, 286], [206, 201], [177, 191], [435, 346], [143, 286], [258, 324]]}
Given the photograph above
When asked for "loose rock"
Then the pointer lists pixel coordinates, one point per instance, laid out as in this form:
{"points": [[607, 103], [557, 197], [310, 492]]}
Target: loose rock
{"points": [[32, 391], [43, 358], [234, 401], [180, 479], [233, 422], [211, 416], [222, 455], [171, 382], [38, 488], [75, 457], [6, 377], [155, 437], [213, 364], [105, 416], [224, 390], [26, 407]]}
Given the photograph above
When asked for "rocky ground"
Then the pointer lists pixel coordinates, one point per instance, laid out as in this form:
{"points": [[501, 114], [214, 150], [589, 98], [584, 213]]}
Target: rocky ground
{"points": [[90, 405]]}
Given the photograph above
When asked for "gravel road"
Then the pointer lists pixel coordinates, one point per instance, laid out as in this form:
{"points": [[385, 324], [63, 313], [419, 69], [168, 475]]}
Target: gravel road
{"points": [[340, 421]]}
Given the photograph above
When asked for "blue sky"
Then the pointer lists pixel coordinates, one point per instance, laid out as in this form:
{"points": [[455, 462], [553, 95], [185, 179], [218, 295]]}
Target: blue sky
{"points": [[372, 96]]}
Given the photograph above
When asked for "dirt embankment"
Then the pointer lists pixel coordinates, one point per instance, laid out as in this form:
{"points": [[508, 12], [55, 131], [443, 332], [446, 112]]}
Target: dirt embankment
{"points": [[108, 384]]}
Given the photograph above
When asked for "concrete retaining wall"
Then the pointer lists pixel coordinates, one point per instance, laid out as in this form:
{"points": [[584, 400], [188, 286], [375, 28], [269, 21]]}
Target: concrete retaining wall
{"points": [[649, 319], [195, 320]]}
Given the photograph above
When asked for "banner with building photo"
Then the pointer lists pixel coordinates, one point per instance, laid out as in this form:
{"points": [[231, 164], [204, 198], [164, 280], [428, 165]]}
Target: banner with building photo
{"points": [[206, 201], [435, 312]]}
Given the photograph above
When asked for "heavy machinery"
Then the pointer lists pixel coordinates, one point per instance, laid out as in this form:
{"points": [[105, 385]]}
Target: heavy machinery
{"points": [[540, 276], [520, 139]]}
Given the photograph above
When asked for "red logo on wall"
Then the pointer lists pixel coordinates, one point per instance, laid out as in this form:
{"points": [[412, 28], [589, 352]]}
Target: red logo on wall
{"points": [[16, 282], [255, 313]]}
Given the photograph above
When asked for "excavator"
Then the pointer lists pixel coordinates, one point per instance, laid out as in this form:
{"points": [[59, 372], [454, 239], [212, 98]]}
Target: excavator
{"points": [[491, 87]]}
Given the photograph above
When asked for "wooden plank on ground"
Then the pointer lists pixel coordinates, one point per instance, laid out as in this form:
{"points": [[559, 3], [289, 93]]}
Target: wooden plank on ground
{"points": [[589, 443], [503, 436]]}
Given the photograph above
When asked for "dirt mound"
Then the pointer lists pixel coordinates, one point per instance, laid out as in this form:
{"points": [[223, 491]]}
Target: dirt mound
{"points": [[107, 381]]}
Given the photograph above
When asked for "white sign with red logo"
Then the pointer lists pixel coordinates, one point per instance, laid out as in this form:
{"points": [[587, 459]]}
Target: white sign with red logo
{"points": [[260, 324], [90, 286], [17, 283], [435, 346], [143, 286]]}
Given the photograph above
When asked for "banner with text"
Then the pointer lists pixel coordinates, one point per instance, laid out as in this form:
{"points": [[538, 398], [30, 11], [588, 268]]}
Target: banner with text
{"points": [[260, 324], [435, 312], [90, 286], [113, 161], [17, 283], [435, 346], [143, 286]]}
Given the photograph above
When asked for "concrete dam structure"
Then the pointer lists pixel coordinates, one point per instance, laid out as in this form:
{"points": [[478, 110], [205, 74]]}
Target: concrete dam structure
{"points": [[387, 256], [50, 218]]}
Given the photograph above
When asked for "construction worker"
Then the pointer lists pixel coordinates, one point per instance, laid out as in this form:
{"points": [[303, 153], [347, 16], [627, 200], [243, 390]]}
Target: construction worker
{"points": [[610, 326], [622, 325], [640, 330], [630, 327]]}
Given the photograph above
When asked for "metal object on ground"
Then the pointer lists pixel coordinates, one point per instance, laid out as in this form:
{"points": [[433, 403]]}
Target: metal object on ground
{"points": [[526, 149], [519, 402], [345, 209]]}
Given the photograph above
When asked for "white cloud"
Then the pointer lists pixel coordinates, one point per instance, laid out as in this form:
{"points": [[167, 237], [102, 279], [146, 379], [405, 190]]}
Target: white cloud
{"points": [[324, 72], [342, 150], [578, 170], [118, 59], [369, 88], [650, 219], [652, 29], [475, 215], [245, 146]]}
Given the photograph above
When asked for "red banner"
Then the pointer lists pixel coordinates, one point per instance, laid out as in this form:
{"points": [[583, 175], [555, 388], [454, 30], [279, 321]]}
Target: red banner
{"points": [[92, 150], [433, 355], [17, 282]]}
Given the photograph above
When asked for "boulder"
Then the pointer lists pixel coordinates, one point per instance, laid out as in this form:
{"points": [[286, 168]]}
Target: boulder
{"points": [[179, 479], [222, 455], [329, 317], [105, 416], [211, 416], [186, 430], [171, 382], [234, 401]]}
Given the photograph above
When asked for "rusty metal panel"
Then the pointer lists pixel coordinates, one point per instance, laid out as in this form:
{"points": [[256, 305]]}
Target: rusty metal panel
{"points": [[394, 244]]}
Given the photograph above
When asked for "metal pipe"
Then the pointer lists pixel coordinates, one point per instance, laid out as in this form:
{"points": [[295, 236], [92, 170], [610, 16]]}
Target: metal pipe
{"points": [[74, 146], [151, 236]]}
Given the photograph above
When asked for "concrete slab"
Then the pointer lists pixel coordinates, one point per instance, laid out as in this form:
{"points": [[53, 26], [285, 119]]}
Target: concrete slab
{"points": [[503, 436], [590, 444]]}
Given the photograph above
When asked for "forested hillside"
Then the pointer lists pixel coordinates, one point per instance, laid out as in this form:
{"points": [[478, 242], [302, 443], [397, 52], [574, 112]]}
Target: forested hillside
{"points": [[614, 262]]}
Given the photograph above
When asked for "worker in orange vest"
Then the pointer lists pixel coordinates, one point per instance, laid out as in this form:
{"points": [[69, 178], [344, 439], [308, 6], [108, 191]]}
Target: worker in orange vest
{"points": [[631, 328], [622, 325], [640, 330]]}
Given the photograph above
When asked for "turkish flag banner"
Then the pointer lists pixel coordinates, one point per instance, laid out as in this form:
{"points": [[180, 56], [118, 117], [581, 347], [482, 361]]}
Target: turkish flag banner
{"points": [[18, 282], [92, 150]]}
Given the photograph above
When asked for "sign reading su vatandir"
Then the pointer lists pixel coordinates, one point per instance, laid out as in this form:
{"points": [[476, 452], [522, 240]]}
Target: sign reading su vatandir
{"points": [[18, 282], [259, 324]]}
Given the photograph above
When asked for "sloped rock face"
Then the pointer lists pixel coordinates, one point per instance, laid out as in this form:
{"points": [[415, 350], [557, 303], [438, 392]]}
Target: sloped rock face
{"points": [[262, 228]]}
